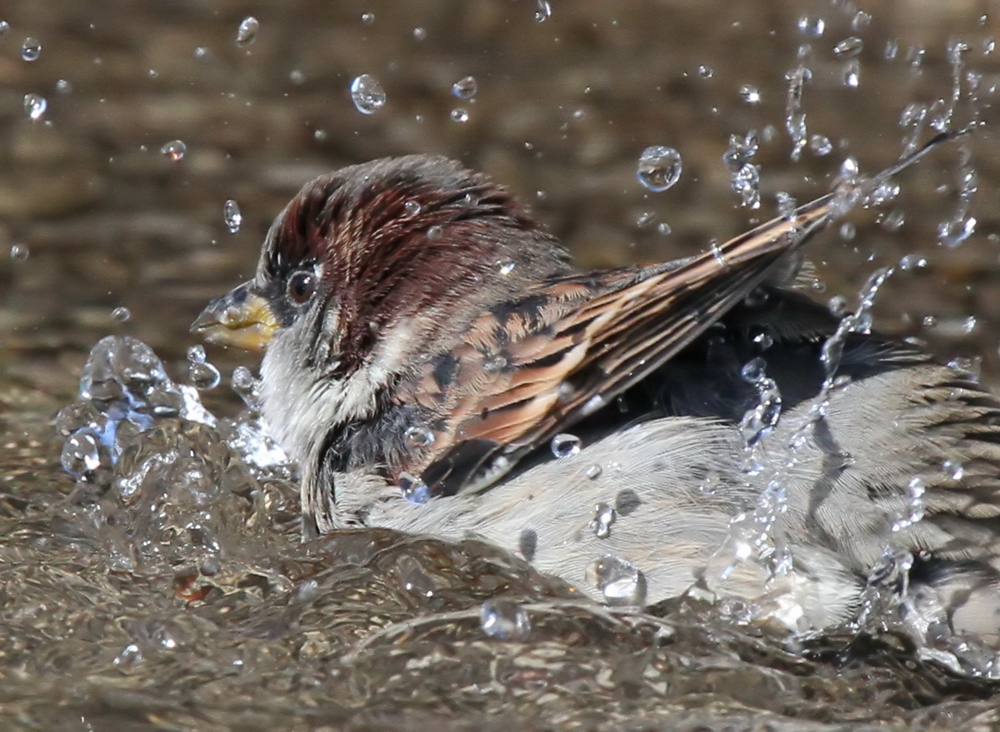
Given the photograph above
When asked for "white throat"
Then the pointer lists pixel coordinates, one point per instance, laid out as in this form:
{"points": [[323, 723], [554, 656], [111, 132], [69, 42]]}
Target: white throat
{"points": [[301, 404]]}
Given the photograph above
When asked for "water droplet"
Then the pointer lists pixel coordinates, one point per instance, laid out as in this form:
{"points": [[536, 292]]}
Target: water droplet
{"points": [[837, 306], [745, 175], [419, 34], [19, 252], [811, 26], [852, 74], [645, 219], [465, 88], [710, 485], [196, 354], [505, 268], [63, 87], [247, 31], [367, 94], [894, 220], [820, 145], [849, 47], [753, 371], [543, 11], [412, 208], [504, 620], [565, 445], [971, 368], [663, 229], [308, 590], [750, 94], [847, 231], [459, 115], [884, 192], [593, 471], [435, 232], [121, 314], [761, 419], [495, 365], [414, 489], [130, 656], [368, 18], [4, 28], [417, 437], [35, 106], [916, 507], [912, 261], [604, 517], [913, 114], [246, 387], [849, 168], [786, 205], [81, 454], [297, 77], [232, 216], [31, 49], [619, 581], [659, 168], [953, 469], [954, 232], [175, 150], [204, 376]]}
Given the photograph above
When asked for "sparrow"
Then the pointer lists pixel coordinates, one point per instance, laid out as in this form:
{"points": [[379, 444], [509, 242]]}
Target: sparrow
{"points": [[435, 364]]}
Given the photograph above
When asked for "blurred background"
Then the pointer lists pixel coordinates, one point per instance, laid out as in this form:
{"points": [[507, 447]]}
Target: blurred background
{"points": [[126, 126]]}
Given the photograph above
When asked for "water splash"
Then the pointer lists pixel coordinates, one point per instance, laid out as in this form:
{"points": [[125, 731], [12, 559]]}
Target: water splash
{"points": [[744, 174], [795, 117]]}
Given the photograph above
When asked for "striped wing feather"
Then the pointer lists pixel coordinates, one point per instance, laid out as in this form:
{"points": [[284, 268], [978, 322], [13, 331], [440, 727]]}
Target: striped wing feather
{"points": [[575, 344], [583, 343]]}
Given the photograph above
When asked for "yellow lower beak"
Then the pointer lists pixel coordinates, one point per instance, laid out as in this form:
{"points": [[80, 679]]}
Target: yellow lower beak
{"points": [[240, 318]]}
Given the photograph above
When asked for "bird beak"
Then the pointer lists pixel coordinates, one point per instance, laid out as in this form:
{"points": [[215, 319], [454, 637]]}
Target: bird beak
{"points": [[240, 318]]}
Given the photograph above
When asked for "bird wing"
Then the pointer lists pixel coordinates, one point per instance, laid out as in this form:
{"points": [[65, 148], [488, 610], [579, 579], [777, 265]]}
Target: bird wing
{"points": [[533, 367]]}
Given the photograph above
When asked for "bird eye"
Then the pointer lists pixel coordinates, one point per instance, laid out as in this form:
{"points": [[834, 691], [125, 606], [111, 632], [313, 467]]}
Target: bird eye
{"points": [[301, 286]]}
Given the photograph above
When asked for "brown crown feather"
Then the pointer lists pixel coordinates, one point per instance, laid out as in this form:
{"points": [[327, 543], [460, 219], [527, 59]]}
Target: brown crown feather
{"points": [[381, 260]]}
